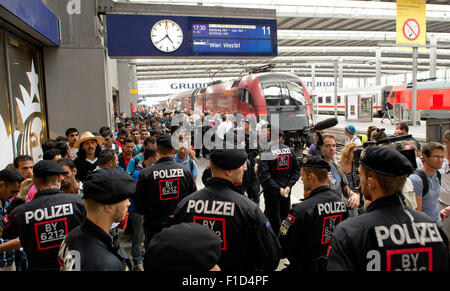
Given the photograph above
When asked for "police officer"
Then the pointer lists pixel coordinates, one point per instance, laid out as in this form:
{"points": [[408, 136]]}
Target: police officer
{"points": [[42, 224], [306, 232], [279, 171], [247, 240], [252, 150], [390, 236], [89, 247], [160, 187]]}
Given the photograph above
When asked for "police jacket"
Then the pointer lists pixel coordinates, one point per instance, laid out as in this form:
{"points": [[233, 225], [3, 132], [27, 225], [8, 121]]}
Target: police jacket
{"points": [[248, 241], [306, 232], [278, 168], [89, 248], [160, 187], [385, 239], [42, 224]]}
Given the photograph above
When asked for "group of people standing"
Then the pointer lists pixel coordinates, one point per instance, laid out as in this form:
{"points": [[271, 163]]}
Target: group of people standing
{"points": [[357, 212]]}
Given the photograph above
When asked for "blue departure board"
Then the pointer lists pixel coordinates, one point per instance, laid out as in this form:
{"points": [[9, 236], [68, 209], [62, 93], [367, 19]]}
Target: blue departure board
{"points": [[201, 37], [233, 37]]}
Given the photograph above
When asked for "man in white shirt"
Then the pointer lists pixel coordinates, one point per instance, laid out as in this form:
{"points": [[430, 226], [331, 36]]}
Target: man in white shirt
{"points": [[223, 127], [262, 122]]}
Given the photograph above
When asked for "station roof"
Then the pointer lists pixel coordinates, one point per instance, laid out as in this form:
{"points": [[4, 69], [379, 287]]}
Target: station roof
{"points": [[316, 32]]}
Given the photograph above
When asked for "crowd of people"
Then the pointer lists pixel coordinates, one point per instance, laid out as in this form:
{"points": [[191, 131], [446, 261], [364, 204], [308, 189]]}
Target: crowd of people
{"points": [[362, 208]]}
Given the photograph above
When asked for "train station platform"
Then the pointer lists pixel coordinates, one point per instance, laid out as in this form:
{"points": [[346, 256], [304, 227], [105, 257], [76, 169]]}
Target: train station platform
{"points": [[418, 132]]}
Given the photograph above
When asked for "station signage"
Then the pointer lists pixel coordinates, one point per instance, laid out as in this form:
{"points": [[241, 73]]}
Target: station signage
{"points": [[411, 22], [147, 36]]}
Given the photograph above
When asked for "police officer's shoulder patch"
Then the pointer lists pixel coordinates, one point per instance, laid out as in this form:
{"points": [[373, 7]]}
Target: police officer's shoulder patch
{"points": [[286, 224], [284, 227]]}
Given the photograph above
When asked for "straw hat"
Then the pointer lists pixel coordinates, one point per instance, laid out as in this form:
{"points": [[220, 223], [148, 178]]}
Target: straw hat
{"points": [[87, 135]]}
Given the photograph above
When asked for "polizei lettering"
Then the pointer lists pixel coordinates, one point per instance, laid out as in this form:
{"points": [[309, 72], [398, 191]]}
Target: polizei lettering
{"points": [[284, 151], [331, 207], [211, 207], [49, 213], [168, 173], [401, 234]]}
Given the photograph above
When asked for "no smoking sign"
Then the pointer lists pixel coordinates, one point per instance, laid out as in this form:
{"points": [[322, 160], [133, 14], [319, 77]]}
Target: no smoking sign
{"points": [[411, 29]]}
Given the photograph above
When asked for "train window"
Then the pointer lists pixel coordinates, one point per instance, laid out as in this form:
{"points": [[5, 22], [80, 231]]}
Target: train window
{"points": [[245, 96], [296, 93], [274, 93], [283, 94], [338, 99], [320, 100], [328, 99], [250, 98]]}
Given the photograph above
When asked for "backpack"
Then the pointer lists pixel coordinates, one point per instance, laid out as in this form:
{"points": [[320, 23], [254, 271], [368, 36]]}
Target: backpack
{"points": [[389, 105], [423, 176]]}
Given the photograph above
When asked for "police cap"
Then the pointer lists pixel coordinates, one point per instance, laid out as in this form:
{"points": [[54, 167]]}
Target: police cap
{"points": [[108, 186], [183, 247], [164, 140], [315, 162], [385, 161], [228, 159], [47, 168]]}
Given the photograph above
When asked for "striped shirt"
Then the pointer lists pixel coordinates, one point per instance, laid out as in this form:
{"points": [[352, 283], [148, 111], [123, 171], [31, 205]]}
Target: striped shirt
{"points": [[352, 179]]}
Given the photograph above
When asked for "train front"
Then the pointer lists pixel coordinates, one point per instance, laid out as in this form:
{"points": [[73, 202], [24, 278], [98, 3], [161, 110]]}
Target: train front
{"points": [[287, 99]]}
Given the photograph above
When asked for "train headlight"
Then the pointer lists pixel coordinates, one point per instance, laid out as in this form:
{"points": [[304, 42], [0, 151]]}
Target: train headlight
{"points": [[286, 101]]}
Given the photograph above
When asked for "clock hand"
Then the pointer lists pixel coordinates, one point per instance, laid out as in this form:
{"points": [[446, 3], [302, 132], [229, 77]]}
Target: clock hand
{"points": [[161, 39], [169, 38]]}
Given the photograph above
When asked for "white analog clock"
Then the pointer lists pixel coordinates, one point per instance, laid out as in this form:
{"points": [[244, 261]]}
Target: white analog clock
{"points": [[166, 35]]}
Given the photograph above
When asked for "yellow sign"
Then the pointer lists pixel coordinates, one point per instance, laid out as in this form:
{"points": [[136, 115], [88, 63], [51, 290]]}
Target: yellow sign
{"points": [[411, 22], [133, 91]]}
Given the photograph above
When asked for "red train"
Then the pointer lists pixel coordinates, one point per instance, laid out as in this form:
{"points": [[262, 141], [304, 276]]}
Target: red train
{"points": [[257, 94], [433, 97]]}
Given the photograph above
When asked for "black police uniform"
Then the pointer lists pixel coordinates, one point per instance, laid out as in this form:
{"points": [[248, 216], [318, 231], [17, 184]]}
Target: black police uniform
{"points": [[159, 188], [247, 240], [42, 224], [88, 247], [279, 168], [94, 249], [252, 150], [389, 236], [306, 232]]}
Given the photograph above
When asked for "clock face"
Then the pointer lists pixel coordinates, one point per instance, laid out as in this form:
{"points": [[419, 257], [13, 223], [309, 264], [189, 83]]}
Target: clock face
{"points": [[166, 35]]}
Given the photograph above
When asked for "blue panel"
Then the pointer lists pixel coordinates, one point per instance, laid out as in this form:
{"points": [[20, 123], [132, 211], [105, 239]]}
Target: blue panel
{"points": [[37, 15], [129, 36]]}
